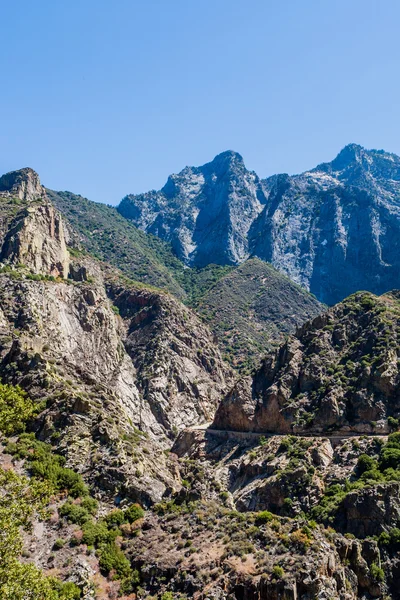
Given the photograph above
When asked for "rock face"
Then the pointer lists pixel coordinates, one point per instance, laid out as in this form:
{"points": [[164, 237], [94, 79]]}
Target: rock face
{"points": [[339, 373], [23, 184], [179, 369], [370, 511], [111, 381], [205, 212], [36, 239], [342, 216], [32, 230]]}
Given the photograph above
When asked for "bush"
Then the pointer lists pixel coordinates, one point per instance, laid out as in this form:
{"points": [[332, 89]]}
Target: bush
{"points": [[115, 518], [113, 559], [264, 516], [67, 591], [278, 572], [90, 504], [74, 513], [15, 409], [389, 457], [366, 463], [133, 513], [58, 544], [46, 465], [372, 476], [390, 538], [95, 533], [377, 573]]}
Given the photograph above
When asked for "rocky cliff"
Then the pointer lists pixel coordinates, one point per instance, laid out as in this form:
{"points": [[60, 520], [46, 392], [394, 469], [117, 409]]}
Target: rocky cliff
{"points": [[205, 212], [342, 216], [338, 373]]}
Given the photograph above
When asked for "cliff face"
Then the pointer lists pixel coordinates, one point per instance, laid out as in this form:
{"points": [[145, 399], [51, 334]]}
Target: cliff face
{"points": [[204, 212], [340, 372], [342, 216], [23, 184], [32, 230], [36, 239]]}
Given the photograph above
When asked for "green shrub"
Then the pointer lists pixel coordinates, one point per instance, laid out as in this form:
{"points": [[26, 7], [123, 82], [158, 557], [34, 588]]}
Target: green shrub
{"points": [[113, 559], [46, 465], [389, 457], [116, 517], [95, 533], [133, 513], [15, 409], [90, 504], [278, 572], [372, 476], [377, 573], [264, 516], [366, 463], [67, 591], [74, 513], [58, 544]]}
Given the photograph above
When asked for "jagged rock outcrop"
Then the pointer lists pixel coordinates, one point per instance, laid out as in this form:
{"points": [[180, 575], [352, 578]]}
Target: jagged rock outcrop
{"points": [[205, 212], [342, 216], [370, 511], [23, 184], [36, 239], [339, 373], [179, 369], [32, 230]]}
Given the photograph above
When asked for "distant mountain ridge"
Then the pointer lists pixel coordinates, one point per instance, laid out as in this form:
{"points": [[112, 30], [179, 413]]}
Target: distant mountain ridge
{"points": [[340, 217]]}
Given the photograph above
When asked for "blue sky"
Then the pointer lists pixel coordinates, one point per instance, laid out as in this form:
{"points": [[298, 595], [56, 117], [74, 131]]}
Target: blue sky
{"points": [[106, 98]]}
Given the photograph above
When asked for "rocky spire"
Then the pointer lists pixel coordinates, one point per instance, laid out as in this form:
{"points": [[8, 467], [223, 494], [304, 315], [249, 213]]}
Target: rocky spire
{"points": [[24, 184]]}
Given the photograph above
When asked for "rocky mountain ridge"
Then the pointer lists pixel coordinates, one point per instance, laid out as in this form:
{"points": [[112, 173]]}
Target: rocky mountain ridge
{"points": [[339, 373], [340, 216]]}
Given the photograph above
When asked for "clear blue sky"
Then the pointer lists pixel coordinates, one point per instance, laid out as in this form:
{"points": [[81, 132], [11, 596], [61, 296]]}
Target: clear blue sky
{"points": [[105, 98]]}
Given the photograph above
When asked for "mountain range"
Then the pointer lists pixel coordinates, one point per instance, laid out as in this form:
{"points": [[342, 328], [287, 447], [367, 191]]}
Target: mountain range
{"points": [[180, 418], [341, 216]]}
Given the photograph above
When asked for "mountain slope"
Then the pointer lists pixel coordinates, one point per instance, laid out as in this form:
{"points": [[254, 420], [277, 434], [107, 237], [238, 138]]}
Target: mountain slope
{"points": [[339, 373], [342, 216], [105, 234], [253, 307], [244, 325], [121, 367]]}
